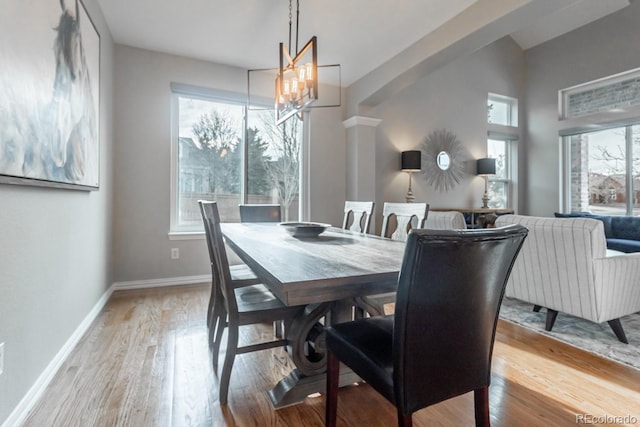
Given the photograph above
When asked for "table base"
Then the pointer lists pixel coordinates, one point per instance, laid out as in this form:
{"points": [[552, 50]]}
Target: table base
{"points": [[296, 386]]}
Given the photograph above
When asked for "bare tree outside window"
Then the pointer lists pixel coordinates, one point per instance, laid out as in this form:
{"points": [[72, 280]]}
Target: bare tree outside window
{"points": [[215, 144], [284, 166], [599, 171]]}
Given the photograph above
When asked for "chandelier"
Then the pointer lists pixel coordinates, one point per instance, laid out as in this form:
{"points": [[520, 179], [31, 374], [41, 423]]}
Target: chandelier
{"points": [[297, 78]]}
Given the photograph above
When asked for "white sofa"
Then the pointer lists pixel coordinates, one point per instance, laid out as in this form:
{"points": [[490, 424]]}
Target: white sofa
{"points": [[564, 266], [445, 220]]}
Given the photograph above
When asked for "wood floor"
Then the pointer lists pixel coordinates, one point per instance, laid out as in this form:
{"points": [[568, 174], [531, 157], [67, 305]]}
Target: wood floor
{"points": [[145, 362]]}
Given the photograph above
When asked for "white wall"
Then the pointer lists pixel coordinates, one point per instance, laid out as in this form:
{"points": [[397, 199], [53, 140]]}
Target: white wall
{"points": [[54, 256], [142, 162]]}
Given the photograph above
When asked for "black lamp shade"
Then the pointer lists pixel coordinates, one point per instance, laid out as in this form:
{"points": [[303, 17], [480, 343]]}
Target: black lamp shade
{"points": [[411, 160], [486, 166]]}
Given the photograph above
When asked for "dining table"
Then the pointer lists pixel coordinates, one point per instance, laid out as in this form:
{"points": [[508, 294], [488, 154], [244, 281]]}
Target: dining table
{"points": [[324, 273]]}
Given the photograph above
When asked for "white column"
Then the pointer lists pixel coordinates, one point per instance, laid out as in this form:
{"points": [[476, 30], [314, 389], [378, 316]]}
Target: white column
{"points": [[361, 157]]}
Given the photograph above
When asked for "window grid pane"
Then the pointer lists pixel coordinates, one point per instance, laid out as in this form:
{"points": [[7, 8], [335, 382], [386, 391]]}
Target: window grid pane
{"points": [[210, 156], [209, 159], [599, 172], [502, 110], [274, 162]]}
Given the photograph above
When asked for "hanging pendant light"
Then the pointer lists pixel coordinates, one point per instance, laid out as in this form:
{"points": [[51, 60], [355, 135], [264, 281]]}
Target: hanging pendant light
{"points": [[297, 78]]}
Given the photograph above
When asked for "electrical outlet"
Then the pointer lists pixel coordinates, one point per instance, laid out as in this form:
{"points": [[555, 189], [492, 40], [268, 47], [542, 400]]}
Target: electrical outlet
{"points": [[175, 253], [1, 357]]}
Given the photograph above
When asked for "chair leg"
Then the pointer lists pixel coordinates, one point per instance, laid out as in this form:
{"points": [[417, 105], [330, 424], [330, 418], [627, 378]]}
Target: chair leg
{"points": [[210, 308], [537, 308], [364, 305], [278, 329], [331, 398], [551, 319], [481, 405], [232, 348], [404, 420], [217, 340], [617, 329], [215, 317]]}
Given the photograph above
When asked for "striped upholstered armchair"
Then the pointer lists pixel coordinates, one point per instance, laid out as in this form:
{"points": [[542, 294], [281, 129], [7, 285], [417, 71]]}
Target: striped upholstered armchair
{"points": [[445, 220], [564, 266]]}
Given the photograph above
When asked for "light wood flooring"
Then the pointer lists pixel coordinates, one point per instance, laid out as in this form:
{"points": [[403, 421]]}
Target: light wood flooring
{"points": [[145, 362]]}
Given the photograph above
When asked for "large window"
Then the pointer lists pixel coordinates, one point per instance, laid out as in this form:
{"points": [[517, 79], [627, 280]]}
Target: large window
{"points": [[226, 152], [601, 145], [605, 171]]}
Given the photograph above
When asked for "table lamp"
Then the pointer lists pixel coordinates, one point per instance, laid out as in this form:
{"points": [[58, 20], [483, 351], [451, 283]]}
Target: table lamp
{"points": [[411, 162], [486, 167]]}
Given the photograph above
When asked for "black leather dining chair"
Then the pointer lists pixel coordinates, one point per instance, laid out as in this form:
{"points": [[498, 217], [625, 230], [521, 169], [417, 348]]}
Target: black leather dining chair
{"points": [[439, 342], [241, 305]]}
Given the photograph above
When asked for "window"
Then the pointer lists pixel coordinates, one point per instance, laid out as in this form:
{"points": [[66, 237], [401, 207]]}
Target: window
{"points": [[502, 110], [601, 145], [610, 93], [225, 152], [502, 120], [605, 171]]}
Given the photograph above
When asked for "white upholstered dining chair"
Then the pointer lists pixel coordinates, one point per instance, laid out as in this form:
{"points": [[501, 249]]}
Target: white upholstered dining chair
{"points": [[357, 216], [445, 220], [406, 216]]}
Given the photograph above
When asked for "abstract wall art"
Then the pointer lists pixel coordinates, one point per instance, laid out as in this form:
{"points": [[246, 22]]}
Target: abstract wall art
{"points": [[49, 94]]}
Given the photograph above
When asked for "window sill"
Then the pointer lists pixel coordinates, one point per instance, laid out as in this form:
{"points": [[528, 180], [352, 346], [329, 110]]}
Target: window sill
{"points": [[186, 235]]}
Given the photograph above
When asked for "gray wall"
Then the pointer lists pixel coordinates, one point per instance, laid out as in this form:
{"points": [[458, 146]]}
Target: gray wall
{"points": [[142, 156], [453, 97], [54, 256], [608, 46]]}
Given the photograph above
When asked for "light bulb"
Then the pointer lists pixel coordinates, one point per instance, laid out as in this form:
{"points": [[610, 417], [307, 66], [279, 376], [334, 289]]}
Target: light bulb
{"points": [[294, 87], [309, 71]]}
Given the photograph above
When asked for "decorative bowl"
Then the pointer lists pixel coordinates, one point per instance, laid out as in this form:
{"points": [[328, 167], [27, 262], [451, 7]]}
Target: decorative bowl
{"points": [[305, 229]]}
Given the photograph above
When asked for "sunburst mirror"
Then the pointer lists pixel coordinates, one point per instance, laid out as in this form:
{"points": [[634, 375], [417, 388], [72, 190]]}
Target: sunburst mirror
{"points": [[442, 156]]}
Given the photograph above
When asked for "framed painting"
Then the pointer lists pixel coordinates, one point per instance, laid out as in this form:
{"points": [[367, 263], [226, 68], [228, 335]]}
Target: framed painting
{"points": [[49, 94]]}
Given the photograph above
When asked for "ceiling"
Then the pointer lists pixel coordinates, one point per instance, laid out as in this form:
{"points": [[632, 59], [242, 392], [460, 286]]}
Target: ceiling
{"points": [[358, 34]]}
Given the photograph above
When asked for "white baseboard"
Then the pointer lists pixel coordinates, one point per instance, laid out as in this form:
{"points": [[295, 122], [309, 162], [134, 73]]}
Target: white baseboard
{"points": [[19, 414], [157, 283]]}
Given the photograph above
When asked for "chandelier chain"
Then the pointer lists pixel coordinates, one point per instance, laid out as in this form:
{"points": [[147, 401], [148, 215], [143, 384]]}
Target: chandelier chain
{"points": [[297, 22], [290, 16], [291, 24]]}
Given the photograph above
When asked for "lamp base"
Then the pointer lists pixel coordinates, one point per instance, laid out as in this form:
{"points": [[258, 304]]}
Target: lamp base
{"points": [[485, 201], [409, 197]]}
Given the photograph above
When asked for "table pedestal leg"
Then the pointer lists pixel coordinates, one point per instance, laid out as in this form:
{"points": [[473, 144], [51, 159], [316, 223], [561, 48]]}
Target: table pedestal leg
{"points": [[296, 386], [307, 349]]}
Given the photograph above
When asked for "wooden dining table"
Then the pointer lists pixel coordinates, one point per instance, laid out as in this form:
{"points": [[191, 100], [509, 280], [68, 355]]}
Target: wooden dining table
{"points": [[324, 273]]}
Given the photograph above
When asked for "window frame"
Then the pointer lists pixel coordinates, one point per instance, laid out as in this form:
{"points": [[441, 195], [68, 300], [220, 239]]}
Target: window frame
{"points": [[510, 139], [565, 171], [597, 121], [176, 232], [510, 134], [511, 105]]}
